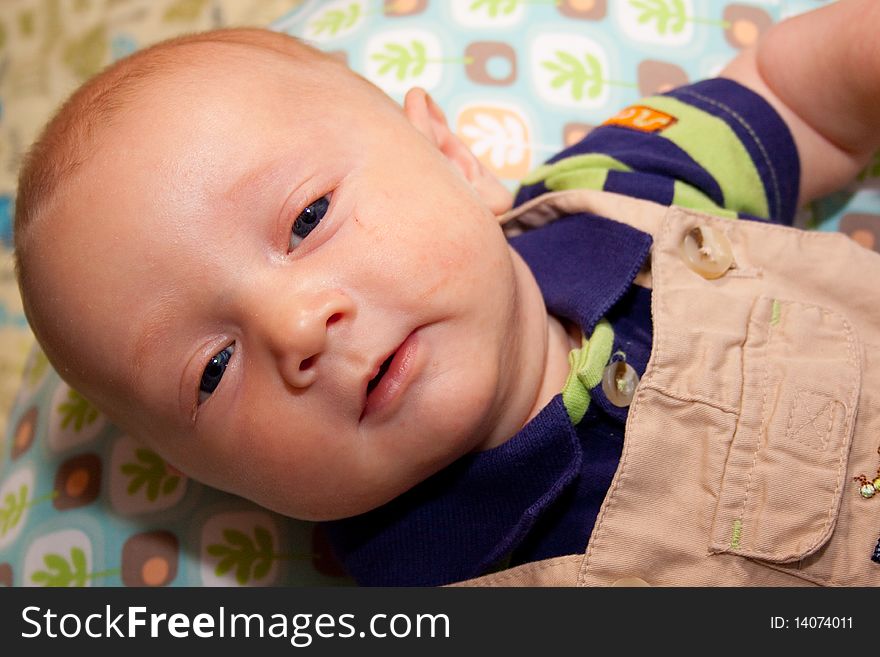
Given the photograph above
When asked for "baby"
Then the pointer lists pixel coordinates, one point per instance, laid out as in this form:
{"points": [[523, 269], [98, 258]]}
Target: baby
{"points": [[299, 293]]}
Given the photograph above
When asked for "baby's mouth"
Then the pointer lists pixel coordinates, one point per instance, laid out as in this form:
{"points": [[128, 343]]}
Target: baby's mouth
{"points": [[382, 369], [392, 377]]}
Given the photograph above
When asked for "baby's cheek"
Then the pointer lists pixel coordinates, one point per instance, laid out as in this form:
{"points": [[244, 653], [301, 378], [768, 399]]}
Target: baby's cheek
{"points": [[470, 254], [469, 398]]}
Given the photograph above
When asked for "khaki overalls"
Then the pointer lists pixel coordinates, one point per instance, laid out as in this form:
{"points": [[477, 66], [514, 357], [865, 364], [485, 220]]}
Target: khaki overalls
{"points": [[758, 408]]}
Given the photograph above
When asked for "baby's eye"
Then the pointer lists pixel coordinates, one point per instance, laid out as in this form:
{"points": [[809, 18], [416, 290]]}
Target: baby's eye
{"points": [[214, 372], [307, 220]]}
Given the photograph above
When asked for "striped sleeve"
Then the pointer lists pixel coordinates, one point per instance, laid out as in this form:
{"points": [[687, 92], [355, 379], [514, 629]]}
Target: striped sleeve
{"points": [[714, 146]]}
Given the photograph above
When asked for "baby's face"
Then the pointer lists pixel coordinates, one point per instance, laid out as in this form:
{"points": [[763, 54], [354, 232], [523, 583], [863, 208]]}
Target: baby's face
{"points": [[287, 290]]}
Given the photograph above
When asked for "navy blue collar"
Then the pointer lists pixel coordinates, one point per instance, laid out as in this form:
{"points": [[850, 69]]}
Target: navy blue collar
{"points": [[465, 519], [583, 264]]}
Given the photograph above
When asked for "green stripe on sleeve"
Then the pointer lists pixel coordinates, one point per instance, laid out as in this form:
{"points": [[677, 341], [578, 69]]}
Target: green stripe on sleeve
{"points": [[714, 146], [690, 197], [587, 171]]}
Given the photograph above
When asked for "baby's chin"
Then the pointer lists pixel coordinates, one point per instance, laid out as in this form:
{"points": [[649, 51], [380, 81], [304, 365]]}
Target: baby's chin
{"points": [[345, 505]]}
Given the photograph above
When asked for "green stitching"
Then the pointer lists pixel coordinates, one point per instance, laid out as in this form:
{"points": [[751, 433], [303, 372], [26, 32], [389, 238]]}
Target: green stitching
{"points": [[737, 534], [776, 312]]}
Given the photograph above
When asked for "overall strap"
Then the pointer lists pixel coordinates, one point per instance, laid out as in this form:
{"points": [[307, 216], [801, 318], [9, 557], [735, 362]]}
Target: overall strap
{"points": [[638, 213]]}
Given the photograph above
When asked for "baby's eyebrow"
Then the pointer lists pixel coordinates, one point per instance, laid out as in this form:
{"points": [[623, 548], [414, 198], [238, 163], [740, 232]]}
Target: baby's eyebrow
{"points": [[251, 182], [159, 314]]}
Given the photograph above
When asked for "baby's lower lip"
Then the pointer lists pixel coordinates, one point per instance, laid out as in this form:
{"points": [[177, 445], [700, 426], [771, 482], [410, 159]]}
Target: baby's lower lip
{"points": [[381, 399]]}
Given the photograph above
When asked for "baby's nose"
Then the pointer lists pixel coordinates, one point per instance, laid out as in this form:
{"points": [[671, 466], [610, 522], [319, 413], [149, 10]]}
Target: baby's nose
{"points": [[300, 335]]}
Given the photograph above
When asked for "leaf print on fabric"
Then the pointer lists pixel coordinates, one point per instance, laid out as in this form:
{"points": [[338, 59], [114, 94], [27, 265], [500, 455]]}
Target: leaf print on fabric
{"points": [[500, 137], [666, 14], [584, 77], [150, 473], [88, 54], [184, 10], [12, 508], [77, 409], [69, 571], [407, 62], [334, 21], [494, 7], [503, 140], [251, 557]]}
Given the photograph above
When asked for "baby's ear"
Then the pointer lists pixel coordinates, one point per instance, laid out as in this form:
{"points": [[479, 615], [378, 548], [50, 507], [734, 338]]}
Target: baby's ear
{"points": [[428, 118]]}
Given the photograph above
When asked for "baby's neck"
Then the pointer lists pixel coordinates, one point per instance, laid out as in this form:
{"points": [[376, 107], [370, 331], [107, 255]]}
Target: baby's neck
{"points": [[562, 337], [540, 350]]}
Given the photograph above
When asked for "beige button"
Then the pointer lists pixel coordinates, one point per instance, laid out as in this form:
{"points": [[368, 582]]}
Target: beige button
{"points": [[619, 381], [631, 582], [707, 251]]}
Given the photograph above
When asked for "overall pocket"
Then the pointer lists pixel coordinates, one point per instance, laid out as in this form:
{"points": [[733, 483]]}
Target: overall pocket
{"points": [[787, 464]]}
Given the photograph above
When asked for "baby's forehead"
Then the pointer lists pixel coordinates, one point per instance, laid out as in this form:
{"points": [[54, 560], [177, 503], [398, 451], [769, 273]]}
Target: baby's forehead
{"points": [[240, 75], [196, 69]]}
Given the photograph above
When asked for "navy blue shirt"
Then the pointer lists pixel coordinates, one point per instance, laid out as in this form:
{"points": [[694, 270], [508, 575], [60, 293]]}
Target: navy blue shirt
{"points": [[538, 495]]}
